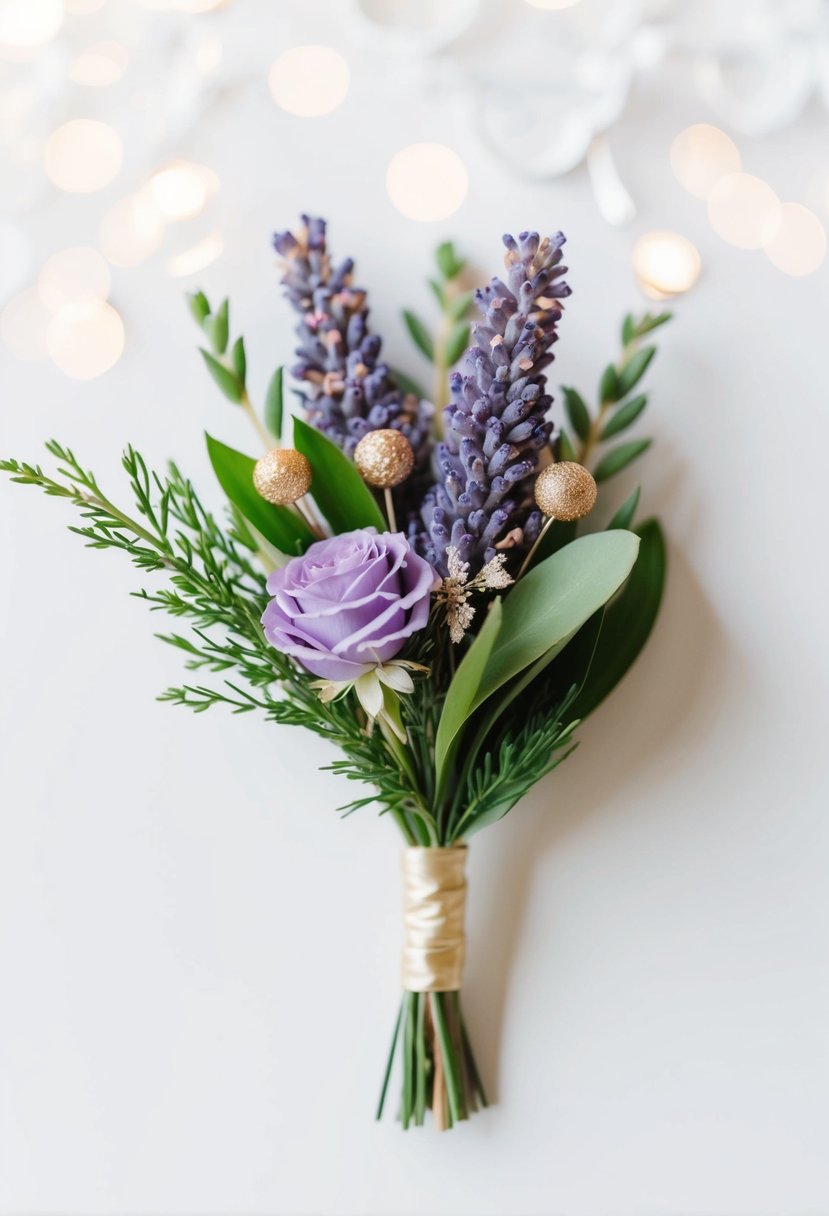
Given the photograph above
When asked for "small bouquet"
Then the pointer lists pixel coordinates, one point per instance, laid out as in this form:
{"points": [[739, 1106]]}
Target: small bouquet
{"points": [[404, 577]]}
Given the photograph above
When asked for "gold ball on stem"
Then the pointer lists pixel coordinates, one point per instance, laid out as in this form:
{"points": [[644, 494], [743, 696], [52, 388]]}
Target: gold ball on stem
{"points": [[384, 458], [282, 476], [565, 490]]}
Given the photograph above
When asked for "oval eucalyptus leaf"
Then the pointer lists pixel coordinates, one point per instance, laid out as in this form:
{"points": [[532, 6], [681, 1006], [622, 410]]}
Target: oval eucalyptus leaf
{"points": [[280, 526], [625, 415], [624, 516], [462, 691], [552, 602], [577, 412], [627, 623], [339, 491], [609, 385], [459, 307], [457, 344], [226, 379], [634, 369], [438, 292], [199, 306], [566, 450], [239, 359], [617, 458], [628, 329], [217, 328], [448, 262], [419, 335], [274, 405]]}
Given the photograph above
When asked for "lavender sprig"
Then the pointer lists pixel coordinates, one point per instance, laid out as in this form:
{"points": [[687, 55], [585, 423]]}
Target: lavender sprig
{"points": [[496, 422], [347, 390]]}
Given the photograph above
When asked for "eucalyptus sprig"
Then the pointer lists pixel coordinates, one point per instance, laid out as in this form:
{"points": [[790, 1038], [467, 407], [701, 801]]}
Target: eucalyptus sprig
{"points": [[617, 409], [446, 345], [228, 365]]}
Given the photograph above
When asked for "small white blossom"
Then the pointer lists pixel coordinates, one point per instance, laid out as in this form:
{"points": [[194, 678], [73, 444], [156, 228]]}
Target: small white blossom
{"points": [[457, 588]]}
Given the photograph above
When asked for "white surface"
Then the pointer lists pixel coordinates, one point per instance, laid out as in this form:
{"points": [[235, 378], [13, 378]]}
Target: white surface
{"points": [[199, 963]]}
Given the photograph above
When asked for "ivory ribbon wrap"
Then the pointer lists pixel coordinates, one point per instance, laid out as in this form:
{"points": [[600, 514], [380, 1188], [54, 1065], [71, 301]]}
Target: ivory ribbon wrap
{"points": [[434, 900]]}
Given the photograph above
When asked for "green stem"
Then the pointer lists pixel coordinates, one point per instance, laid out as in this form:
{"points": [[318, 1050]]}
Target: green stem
{"points": [[389, 1063], [450, 1059], [420, 1061], [408, 1057]]}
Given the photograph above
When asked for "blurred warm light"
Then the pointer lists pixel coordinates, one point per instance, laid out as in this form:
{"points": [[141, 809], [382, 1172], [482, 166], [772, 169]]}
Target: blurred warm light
{"points": [[99, 65], [744, 210], [132, 230], [15, 258], [798, 246], [208, 53], [83, 155], [309, 80], [181, 189], [553, 4], [29, 23], [200, 6], [85, 341], [197, 257], [700, 156], [79, 8], [665, 263], [427, 181], [23, 325], [79, 275]]}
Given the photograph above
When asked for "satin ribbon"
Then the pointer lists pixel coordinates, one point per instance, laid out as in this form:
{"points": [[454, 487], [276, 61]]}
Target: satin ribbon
{"points": [[434, 900]]}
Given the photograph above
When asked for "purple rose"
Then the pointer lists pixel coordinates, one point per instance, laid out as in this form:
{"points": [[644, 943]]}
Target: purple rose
{"points": [[349, 603]]}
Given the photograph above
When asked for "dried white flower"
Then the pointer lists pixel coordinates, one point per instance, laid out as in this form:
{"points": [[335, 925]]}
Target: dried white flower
{"points": [[457, 588]]}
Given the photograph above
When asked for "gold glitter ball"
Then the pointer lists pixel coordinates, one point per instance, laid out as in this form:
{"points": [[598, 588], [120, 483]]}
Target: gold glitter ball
{"points": [[384, 458], [282, 476], [565, 490]]}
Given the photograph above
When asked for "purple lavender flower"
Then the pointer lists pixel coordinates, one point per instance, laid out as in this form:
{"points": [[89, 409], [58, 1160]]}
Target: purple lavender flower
{"points": [[347, 390], [496, 422]]}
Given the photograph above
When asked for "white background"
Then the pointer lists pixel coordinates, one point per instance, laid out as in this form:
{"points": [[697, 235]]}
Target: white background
{"points": [[199, 961]]}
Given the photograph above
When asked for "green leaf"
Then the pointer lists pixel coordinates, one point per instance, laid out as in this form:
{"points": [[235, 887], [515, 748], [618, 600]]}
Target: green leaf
{"points": [[634, 370], [627, 623], [609, 385], [408, 384], [217, 328], [617, 458], [274, 405], [419, 335], [624, 516], [628, 329], [552, 602], [448, 262], [565, 447], [459, 307], [339, 491], [438, 291], [224, 377], [239, 359], [457, 344], [577, 412], [625, 415], [279, 525], [199, 306], [647, 323], [460, 699]]}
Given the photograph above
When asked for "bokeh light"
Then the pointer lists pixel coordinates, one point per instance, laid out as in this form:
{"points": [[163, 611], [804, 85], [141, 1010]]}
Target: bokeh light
{"points": [[15, 258], [132, 230], [427, 181], [85, 341], [798, 246], [74, 276], [101, 64], [25, 24], [744, 210], [701, 156], [23, 325], [309, 80], [83, 155], [197, 257], [181, 189], [665, 263]]}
